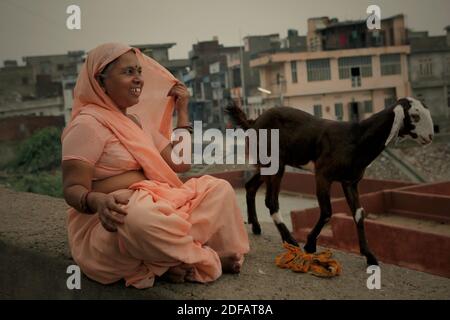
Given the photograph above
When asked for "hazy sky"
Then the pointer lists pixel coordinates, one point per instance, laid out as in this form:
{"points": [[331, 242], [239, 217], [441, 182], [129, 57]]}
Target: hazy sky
{"points": [[38, 27]]}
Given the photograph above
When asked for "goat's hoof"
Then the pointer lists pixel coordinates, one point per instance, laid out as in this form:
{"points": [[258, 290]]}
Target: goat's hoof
{"points": [[309, 248], [372, 262], [256, 229], [292, 242]]}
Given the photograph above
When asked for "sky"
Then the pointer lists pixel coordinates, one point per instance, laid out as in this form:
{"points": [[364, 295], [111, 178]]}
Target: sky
{"points": [[38, 27]]}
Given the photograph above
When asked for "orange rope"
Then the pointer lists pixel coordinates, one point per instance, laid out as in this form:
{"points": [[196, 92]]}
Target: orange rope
{"points": [[318, 264]]}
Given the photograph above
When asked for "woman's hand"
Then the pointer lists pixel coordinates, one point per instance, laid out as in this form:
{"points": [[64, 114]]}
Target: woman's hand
{"points": [[181, 95], [109, 211]]}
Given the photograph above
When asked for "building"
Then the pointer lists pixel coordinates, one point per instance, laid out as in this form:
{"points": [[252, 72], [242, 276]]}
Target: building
{"points": [[17, 83], [53, 106], [348, 72], [330, 34], [244, 80], [50, 70], [36, 89], [429, 65], [336, 84], [209, 81], [160, 52]]}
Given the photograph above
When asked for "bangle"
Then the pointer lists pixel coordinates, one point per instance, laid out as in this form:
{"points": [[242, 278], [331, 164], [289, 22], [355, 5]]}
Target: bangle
{"points": [[84, 204], [89, 210]]}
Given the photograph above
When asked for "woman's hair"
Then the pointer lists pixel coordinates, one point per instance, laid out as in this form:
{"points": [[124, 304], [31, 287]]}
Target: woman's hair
{"points": [[104, 71]]}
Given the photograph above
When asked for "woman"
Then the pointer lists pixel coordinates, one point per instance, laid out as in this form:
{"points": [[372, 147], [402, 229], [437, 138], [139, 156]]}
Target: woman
{"points": [[131, 216]]}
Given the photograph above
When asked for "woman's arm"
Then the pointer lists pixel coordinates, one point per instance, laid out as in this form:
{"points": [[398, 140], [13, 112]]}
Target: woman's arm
{"points": [[77, 179], [181, 96], [166, 153], [120, 181]]}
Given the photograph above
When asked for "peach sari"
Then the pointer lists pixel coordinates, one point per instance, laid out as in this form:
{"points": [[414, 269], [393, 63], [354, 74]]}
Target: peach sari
{"points": [[168, 222]]}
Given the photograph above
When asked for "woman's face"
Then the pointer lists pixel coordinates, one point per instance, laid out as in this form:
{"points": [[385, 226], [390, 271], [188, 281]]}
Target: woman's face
{"points": [[123, 81]]}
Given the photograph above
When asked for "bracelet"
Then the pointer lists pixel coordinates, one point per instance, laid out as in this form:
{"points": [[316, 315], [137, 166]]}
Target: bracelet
{"points": [[84, 204]]}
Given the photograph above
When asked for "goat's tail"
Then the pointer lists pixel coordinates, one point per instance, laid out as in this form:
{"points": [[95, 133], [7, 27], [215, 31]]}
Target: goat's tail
{"points": [[238, 116]]}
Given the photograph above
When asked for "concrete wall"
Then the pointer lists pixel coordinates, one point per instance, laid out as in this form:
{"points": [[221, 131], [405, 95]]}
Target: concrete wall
{"points": [[406, 244], [38, 107], [433, 89], [16, 80], [21, 127]]}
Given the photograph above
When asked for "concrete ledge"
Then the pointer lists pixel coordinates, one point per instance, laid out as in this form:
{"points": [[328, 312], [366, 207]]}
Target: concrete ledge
{"points": [[34, 258]]}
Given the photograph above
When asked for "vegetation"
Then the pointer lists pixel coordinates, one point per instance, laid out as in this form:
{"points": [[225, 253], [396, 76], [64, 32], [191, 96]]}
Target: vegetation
{"points": [[36, 167]]}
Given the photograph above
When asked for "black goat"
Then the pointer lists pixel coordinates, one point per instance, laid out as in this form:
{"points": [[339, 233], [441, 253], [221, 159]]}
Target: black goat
{"points": [[340, 151]]}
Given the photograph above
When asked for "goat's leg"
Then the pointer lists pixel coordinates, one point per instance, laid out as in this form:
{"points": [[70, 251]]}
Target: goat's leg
{"points": [[251, 188], [273, 190], [323, 196], [352, 196]]}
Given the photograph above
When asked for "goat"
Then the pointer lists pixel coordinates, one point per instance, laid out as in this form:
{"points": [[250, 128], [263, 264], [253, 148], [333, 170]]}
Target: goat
{"points": [[340, 151]]}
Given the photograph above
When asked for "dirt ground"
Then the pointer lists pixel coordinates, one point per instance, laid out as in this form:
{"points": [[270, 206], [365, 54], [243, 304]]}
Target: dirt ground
{"points": [[33, 230]]}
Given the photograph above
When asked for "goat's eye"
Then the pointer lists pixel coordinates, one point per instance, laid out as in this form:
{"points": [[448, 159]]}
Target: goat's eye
{"points": [[415, 117]]}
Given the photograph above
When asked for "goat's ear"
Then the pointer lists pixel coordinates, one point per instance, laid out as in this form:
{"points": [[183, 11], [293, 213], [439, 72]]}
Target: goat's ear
{"points": [[399, 116]]}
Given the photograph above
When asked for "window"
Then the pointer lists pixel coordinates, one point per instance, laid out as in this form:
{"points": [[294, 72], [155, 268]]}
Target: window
{"points": [[318, 69], [377, 38], [294, 71], [368, 108], [339, 111], [425, 67], [60, 67], [45, 67], [356, 76], [390, 64], [236, 77], [364, 63], [318, 110]]}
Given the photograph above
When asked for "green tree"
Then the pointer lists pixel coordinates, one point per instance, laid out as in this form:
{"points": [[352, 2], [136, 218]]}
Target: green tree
{"points": [[36, 167], [40, 152]]}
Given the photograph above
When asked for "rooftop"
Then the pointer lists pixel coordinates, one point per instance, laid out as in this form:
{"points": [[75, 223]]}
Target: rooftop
{"points": [[429, 44], [155, 46]]}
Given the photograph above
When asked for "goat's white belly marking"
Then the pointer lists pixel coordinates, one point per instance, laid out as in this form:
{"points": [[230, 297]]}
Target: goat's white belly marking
{"points": [[276, 217], [359, 213]]}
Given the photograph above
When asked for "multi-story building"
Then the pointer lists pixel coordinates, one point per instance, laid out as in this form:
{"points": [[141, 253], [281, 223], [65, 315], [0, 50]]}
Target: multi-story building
{"points": [[17, 83], [245, 81], [36, 88], [338, 84], [341, 77], [160, 52], [429, 65], [50, 70], [209, 82], [330, 34]]}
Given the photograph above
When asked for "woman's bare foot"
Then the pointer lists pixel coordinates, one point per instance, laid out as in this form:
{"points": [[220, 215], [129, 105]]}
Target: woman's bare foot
{"points": [[179, 274], [233, 263]]}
